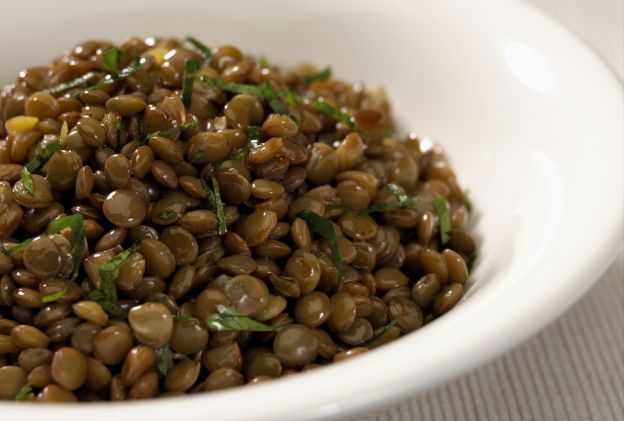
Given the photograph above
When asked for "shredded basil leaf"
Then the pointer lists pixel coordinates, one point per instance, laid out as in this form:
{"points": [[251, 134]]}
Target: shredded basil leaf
{"points": [[122, 74], [216, 197], [25, 390], [18, 248], [379, 335], [334, 113], [254, 141], [3, 249], [264, 61], [106, 296], [273, 98], [110, 59], [181, 317], [471, 262], [237, 88], [403, 201], [42, 155], [81, 80], [190, 68], [467, 201], [439, 204], [197, 156], [227, 319], [167, 214], [323, 75], [171, 131], [205, 51], [163, 363], [74, 222], [323, 227], [27, 180]]}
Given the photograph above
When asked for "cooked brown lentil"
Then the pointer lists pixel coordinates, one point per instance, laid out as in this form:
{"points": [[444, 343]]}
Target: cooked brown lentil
{"points": [[128, 311]]}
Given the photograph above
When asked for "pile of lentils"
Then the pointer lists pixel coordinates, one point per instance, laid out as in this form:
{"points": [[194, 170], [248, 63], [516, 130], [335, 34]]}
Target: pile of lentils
{"points": [[179, 219]]}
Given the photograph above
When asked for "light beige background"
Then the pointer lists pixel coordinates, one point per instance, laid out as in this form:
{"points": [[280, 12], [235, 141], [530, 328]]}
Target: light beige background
{"points": [[573, 369]]}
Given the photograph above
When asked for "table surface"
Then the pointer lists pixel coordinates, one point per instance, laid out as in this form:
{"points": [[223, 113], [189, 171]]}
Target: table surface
{"points": [[573, 369]]}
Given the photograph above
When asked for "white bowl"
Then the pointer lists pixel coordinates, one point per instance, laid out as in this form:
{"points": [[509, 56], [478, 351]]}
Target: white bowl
{"points": [[531, 118]]}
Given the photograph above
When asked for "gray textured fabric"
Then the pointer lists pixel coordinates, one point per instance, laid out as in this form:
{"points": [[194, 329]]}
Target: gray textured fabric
{"points": [[573, 369]]}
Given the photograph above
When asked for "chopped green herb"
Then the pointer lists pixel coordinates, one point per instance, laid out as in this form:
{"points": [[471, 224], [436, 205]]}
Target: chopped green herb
{"points": [[171, 131], [110, 59], [197, 156], [25, 390], [403, 201], [106, 296], [216, 196], [3, 249], [254, 136], [27, 180], [273, 98], [237, 88], [227, 319], [324, 228], [163, 363], [439, 203], [43, 154], [264, 61], [205, 51], [205, 187], [81, 80], [181, 317], [467, 201], [289, 98], [74, 222], [190, 68], [333, 112], [167, 214], [323, 75], [122, 74], [471, 262], [379, 335], [18, 248]]}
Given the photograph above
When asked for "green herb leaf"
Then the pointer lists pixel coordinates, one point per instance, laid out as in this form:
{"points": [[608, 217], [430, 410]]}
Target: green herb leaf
{"points": [[273, 98], [237, 88], [324, 228], [122, 74], [264, 61], [471, 262], [403, 201], [106, 296], [27, 180], [334, 113], [254, 136], [181, 317], [18, 248], [197, 156], [171, 131], [25, 390], [379, 335], [79, 81], [43, 154], [332, 207], [205, 51], [110, 59], [167, 214], [190, 68], [227, 319], [163, 363], [439, 204], [467, 201], [323, 75], [3, 249], [74, 222], [216, 196]]}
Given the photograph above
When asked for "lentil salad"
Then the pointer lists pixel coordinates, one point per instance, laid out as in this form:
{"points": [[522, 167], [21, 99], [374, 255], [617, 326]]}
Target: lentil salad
{"points": [[180, 219]]}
